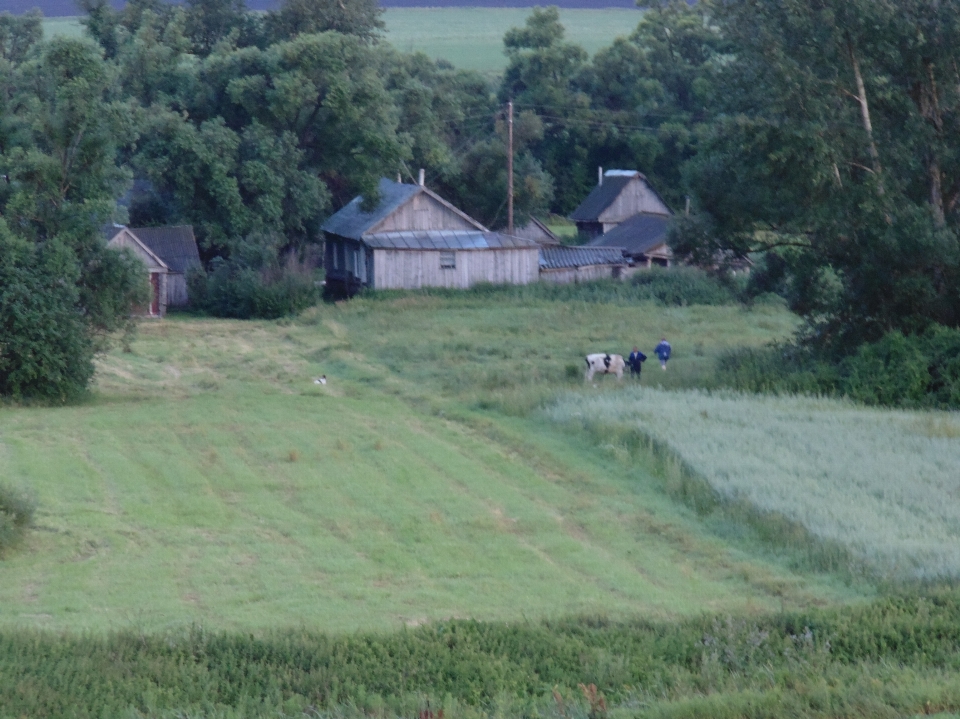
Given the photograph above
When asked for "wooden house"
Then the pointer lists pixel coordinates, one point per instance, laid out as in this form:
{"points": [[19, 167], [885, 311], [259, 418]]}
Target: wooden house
{"points": [[414, 238], [643, 239], [619, 196], [580, 264], [169, 253]]}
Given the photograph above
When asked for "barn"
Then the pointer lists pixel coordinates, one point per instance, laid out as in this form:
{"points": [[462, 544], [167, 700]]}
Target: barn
{"points": [[618, 196], [414, 238], [169, 253]]}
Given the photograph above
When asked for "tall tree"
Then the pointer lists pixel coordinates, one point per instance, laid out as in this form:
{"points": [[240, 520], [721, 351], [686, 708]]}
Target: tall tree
{"points": [[62, 291], [834, 153]]}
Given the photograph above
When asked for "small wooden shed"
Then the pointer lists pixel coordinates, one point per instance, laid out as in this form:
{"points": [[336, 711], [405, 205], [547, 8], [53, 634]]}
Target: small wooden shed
{"points": [[620, 195], [168, 253], [563, 265], [643, 239], [414, 238]]}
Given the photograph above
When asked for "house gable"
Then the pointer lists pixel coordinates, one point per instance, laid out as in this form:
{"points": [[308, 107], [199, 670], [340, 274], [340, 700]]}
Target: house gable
{"points": [[424, 210], [636, 197], [125, 238]]}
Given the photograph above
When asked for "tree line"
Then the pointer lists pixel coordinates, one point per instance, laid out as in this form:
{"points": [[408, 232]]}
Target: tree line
{"points": [[814, 138]]}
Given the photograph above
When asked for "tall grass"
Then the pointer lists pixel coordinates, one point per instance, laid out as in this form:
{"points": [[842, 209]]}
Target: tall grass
{"points": [[882, 484], [17, 508]]}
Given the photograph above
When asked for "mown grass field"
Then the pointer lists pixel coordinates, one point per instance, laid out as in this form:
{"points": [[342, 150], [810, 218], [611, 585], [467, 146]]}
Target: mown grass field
{"points": [[209, 480], [470, 38]]}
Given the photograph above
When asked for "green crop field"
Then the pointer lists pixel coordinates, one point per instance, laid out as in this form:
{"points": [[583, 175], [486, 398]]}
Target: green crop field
{"points": [[882, 484], [470, 38], [210, 480]]}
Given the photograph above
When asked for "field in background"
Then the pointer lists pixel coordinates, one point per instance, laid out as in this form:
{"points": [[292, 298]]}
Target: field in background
{"points": [[211, 481], [882, 484], [470, 38]]}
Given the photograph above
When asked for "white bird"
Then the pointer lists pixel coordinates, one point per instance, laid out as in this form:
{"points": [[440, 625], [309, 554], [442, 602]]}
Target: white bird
{"points": [[322, 380]]}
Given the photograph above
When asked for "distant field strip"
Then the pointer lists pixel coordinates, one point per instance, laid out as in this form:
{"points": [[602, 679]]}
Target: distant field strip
{"points": [[884, 484], [469, 37]]}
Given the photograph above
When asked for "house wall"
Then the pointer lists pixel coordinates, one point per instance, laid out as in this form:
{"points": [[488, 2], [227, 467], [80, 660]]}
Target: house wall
{"points": [[176, 289], [422, 212], [412, 269], [635, 198], [567, 275]]}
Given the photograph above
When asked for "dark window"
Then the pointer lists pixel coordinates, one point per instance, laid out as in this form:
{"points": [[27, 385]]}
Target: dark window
{"points": [[448, 260]]}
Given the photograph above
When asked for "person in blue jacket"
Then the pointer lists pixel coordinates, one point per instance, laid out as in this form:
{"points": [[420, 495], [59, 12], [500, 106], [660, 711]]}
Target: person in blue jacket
{"points": [[663, 352], [635, 361]]}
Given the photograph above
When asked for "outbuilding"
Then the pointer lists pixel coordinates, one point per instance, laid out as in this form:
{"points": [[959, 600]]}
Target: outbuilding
{"points": [[563, 265], [619, 196], [643, 239], [168, 253], [414, 238]]}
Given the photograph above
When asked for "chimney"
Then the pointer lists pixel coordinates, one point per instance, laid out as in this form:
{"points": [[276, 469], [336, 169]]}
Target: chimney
{"points": [[399, 179], [600, 176], [420, 179]]}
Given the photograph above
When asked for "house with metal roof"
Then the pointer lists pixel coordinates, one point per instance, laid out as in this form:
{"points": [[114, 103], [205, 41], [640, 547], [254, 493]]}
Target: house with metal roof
{"points": [[414, 238], [168, 253], [618, 196]]}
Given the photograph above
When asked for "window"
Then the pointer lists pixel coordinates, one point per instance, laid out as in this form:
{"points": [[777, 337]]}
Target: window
{"points": [[448, 260]]}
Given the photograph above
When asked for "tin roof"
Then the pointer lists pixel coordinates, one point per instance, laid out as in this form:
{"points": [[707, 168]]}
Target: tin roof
{"points": [[352, 221], [604, 195], [445, 240], [637, 235], [556, 258]]}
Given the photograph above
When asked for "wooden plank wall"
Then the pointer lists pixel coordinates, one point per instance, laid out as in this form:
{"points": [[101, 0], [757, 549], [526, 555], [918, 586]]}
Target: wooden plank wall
{"points": [[422, 212], [580, 274], [176, 289], [412, 269], [636, 197]]}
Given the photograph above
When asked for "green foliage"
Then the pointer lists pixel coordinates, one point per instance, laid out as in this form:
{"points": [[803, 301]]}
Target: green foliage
{"points": [[855, 194], [482, 669], [62, 292], [264, 290]]}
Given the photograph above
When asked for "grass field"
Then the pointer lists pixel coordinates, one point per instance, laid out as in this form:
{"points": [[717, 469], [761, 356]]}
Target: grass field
{"points": [[470, 38], [210, 481], [882, 484]]}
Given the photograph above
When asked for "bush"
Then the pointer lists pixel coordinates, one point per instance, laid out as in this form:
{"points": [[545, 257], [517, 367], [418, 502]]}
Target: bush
{"points": [[16, 515], [234, 290], [896, 371], [46, 350], [677, 286]]}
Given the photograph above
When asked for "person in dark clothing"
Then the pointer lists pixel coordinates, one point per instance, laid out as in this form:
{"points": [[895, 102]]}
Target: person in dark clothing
{"points": [[663, 352], [636, 360]]}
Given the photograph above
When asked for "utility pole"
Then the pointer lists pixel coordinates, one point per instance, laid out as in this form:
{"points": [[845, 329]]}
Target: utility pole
{"points": [[510, 167]]}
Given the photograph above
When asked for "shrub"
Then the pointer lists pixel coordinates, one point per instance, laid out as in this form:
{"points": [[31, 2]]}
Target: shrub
{"points": [[684, 286], [46, 350], [892, 371], [234, 290], [16, 515]]}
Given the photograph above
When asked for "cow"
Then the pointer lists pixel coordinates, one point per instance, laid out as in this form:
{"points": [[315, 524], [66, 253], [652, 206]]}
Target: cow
{"points": [[604, 364]]}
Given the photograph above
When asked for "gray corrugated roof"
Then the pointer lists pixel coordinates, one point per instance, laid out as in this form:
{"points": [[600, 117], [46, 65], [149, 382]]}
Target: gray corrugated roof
{"points": [[352, 222], [600, 198], [637, 235], [445, 240], [176, 246], [555, 258]]}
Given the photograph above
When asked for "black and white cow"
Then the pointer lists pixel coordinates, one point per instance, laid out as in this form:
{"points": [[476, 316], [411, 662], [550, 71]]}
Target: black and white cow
{"points": [[604, 364]]}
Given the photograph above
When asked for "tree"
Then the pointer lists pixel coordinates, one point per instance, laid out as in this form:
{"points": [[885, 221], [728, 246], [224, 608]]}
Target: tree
{"points": [[62, 291], [361, 18], [833, 152]]}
